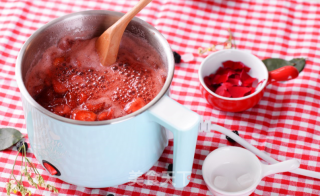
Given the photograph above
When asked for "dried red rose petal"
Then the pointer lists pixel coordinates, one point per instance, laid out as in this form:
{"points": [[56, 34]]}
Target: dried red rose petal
{"points": [[235, 81], [207, 81], [231, 80], [235, 65], [222, 76], [246, 79], [223, 91], [238, 91]]}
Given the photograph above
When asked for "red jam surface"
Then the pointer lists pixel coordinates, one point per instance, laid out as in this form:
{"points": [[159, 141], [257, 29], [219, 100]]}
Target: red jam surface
{"points": [[69, 80], [231, 80]]}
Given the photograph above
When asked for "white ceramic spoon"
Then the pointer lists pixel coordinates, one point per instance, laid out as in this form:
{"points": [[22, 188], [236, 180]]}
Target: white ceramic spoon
{"points": [[235, 171], [259, 153]]}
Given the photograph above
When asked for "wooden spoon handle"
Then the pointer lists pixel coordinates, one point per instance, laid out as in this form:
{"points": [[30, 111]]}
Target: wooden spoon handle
{"points": [[134, 11], [107, 45]]}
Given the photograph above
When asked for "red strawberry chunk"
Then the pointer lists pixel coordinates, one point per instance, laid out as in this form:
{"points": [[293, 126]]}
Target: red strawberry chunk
{"points": [[83, 115], [71, 99], [75, 79], [238, 91], [106, 115], [135, 105], [59, 87], [62, 110], [95, 107], [82, 97], [58, 101], [38, 89], [58, 61]]}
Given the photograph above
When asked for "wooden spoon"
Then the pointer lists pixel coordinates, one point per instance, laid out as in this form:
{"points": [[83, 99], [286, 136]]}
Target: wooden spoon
{"points": [[107, 45]]}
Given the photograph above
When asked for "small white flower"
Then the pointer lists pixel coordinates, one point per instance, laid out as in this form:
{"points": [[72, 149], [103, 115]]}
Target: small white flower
{"points": [[49, 187], [8, 187]]}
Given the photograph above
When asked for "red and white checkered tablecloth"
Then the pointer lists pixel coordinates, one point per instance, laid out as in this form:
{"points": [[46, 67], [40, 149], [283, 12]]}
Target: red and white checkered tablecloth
{"points": [[285, 124]]}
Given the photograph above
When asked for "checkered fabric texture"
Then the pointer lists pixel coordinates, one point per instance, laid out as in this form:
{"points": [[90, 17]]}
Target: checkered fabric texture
{"points": [[285, 124]]}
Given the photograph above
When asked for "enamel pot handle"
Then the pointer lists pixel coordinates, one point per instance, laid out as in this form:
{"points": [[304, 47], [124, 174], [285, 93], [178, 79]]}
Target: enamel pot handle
{"points": [[184, 125], [283, 166], [283, 74]]}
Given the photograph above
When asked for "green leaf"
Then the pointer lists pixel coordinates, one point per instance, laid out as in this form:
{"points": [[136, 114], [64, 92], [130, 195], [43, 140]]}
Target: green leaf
{"points": [[8, 137], [299, 63], [275, 63]]}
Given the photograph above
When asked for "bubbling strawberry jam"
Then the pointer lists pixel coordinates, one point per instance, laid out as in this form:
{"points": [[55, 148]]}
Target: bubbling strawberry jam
{"points": [[70, 81]]}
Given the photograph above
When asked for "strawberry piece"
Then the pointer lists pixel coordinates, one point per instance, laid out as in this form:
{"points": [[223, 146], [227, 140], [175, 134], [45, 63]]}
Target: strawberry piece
{"points": [[238, 91], [83, 115], [59, 87], [106, 115], [62, 110], [78, 63], [58, 61], [71, 99], [58, 101], [76, 79], [95, 107], [38, 89], [65, 44], [134, 105], [82, 97], [45, 97]]}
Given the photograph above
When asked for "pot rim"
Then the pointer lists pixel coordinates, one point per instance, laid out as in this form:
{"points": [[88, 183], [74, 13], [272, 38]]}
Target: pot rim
{"points": [[27, 96]]}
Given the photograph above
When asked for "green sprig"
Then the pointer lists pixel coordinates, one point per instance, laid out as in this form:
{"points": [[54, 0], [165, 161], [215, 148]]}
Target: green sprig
{"points": [[24, 171]]}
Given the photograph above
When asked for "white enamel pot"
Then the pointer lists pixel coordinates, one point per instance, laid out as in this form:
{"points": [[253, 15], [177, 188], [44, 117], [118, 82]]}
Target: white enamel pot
{"points": [[105, 153]]}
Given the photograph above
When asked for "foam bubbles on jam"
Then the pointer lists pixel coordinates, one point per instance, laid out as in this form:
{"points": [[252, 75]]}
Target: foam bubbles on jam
{"points": [[69, 80]]}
